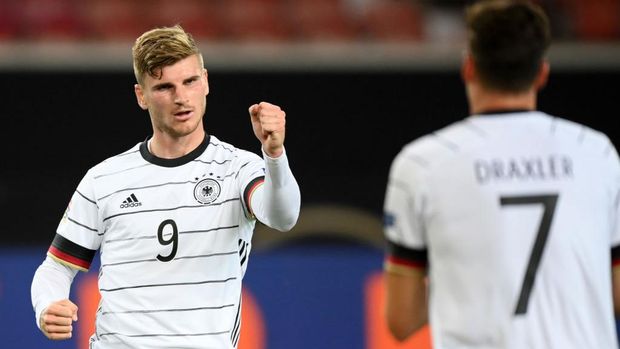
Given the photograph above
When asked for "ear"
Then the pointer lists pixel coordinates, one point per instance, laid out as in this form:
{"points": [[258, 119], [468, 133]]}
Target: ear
{"points": [[140, 96], [206, 77], [543, 75], [468, 68]]}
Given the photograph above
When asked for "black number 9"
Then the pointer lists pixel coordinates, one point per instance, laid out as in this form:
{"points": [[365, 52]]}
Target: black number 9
{"points": [[174, 240]]}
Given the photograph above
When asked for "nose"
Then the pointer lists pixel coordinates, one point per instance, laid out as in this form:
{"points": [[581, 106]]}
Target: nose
{"points": [[180, 96]]}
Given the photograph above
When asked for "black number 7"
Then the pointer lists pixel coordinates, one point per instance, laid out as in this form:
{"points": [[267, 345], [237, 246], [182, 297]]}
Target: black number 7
{"points": [[548, 202]]}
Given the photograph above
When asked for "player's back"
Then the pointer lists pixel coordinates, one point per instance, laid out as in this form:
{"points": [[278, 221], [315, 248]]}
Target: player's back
{"points": [[519, 213]]}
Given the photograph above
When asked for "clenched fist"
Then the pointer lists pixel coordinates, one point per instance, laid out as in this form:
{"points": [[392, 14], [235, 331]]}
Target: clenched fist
{"points": [[57, 320], [268, 122]]}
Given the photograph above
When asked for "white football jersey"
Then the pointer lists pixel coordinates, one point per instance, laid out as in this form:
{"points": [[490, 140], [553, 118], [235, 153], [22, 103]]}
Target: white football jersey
{"points": [[516, 214], [174, 238]]}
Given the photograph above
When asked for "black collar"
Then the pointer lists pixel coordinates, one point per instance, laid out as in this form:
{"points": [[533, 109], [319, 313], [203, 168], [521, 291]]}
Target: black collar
{"points": [[192, 155], [493, 112]]}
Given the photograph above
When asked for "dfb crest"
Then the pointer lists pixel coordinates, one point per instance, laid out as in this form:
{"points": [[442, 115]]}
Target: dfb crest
{"points": [[207, 191]]}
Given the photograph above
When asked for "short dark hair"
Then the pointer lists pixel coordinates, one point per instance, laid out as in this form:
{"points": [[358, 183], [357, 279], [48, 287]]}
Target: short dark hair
{"points": [[508, 40]]}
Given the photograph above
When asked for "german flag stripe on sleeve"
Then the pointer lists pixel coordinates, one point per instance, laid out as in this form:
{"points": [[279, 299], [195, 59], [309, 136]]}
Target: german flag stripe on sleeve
{"points": [[249, 190], [401, 256], [70, 253], [615, 256]]}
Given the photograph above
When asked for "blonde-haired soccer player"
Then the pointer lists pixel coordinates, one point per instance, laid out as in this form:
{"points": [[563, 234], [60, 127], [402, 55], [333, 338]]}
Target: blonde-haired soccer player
{"points": [[172, 217]]}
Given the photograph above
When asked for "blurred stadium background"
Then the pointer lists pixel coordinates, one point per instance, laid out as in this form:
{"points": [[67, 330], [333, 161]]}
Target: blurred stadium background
{"points": [[358, 79]]}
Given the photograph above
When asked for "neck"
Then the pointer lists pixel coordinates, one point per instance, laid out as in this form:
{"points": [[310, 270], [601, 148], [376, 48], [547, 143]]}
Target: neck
{"points": [[167, 147], [483, 100]]}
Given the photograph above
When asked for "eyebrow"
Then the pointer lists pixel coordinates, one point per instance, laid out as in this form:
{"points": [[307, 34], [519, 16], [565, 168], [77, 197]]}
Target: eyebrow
{"points": [[168, 84]]}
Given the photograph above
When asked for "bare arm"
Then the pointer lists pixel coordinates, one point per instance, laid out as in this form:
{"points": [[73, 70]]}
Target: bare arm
{"points": [[616, 288], [406, 301]]}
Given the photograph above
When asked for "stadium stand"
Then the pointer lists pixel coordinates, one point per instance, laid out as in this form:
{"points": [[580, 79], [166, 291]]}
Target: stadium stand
{"points": [[273, 20]]}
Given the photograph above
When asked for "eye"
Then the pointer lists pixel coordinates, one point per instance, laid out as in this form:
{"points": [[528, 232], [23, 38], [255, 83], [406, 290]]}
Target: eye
{"points": [[191, 81], [162, 87]]}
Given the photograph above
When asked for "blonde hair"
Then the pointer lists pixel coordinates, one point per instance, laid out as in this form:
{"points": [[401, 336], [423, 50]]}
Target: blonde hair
{"points": [[161, 47]]}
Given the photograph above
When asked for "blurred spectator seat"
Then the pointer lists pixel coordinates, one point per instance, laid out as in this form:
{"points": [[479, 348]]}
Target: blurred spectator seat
{"points": [[325, 20], [49, 20], [281, 20], [595, 20], [8, 21], [201, 18], [248, 20], [393, 20], [115, 20]]}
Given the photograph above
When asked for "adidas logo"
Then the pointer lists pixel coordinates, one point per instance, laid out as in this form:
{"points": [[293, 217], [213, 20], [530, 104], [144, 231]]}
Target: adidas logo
{"points": [[131, 201]]}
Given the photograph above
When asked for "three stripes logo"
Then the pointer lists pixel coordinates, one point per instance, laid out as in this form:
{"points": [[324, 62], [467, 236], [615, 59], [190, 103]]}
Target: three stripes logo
{"points": [[131, 201]]}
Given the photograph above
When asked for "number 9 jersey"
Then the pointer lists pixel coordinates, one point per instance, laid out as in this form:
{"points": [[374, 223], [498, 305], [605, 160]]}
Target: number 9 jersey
{"points": [[515, 216], [174, 237]]}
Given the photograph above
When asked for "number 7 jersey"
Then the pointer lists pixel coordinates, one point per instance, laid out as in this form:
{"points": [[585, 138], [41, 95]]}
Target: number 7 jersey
{"points": [[174, 236], [515, 216]]}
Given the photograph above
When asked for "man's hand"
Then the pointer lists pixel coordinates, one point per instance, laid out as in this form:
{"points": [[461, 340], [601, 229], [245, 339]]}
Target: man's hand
{"points": [[56, 320], [268, 122]]}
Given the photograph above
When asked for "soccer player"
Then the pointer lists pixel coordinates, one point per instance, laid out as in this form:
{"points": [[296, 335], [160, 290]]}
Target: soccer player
{"points": [[507, 219], [172, 217]]}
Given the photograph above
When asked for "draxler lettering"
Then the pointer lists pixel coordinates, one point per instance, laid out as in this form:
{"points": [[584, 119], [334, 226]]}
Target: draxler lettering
{"points": [[553, 167]]}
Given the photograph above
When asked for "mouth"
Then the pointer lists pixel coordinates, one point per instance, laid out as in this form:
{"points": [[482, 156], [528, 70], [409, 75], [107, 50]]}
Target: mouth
{"points": [[183, 114]]}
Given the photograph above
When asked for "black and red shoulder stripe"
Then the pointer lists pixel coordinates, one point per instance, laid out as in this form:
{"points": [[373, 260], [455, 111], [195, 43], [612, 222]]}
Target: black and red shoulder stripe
{"points": [[249, 190], [406, 257], [70, 253], [615, 256]]}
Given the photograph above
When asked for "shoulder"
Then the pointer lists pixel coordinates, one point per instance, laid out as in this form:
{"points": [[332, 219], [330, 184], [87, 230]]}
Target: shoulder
{"points": [[588, 138], [230, 151], [592, 146], [220, 146], [441, 145], [130, 157]]}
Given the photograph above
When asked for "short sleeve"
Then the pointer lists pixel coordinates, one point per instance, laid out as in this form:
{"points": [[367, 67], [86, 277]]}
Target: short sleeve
{"points": [[404, 208], [78, 235], [614, 165], [250, 175]]}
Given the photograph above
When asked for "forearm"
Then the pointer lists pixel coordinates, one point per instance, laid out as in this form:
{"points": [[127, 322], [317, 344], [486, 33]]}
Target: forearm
{"points": [[616, 289], [276, 203], [406, 301], [51, 282]]}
